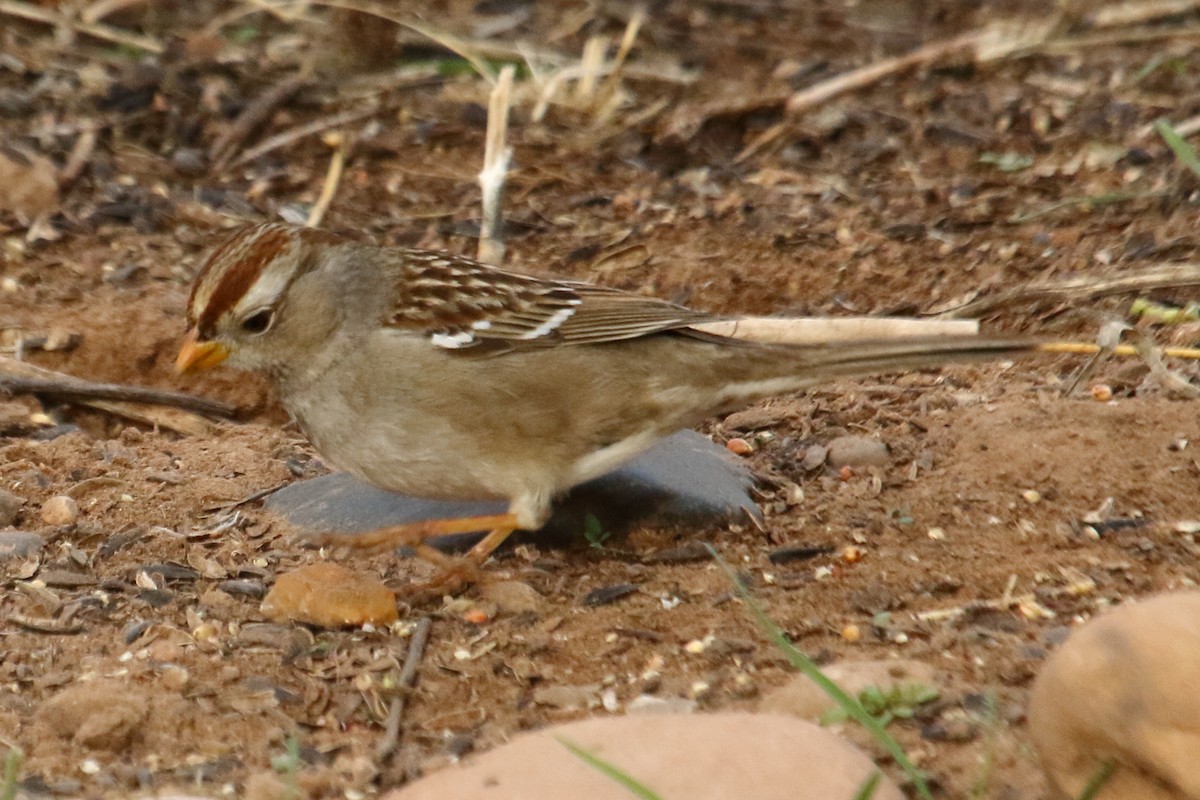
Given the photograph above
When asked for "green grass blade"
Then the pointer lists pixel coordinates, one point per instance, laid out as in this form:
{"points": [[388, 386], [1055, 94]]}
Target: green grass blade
{"points": [[1098, 780], [635, 787], [867, 790], [12, 769], [1179, 146], [806, 666]]}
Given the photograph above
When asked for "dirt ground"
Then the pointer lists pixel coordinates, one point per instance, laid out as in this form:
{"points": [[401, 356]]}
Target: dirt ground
{"points": [[958, 180]]}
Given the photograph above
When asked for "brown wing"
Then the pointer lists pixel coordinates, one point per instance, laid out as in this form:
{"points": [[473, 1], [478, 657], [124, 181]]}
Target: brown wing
{"points": [[461, 304]]}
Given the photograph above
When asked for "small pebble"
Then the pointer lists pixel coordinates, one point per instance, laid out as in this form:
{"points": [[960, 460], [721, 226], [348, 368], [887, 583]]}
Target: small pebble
{"points": [[852, 554], [858, 451], [60, 510], [567, 697], [513, 597], [1031, 496], [1102, 392], [937, 534]]}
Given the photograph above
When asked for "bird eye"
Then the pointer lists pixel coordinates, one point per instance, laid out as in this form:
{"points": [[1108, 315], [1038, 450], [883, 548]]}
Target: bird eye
{"points": [[259, 321]]}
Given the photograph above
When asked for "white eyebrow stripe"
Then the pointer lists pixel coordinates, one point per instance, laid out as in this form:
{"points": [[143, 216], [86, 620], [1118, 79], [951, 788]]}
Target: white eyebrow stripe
{"points": [[452, 341]]}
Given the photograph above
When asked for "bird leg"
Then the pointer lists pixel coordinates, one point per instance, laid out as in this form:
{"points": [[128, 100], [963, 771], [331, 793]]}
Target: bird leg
{"points": [[456, 573], [414, 534]]}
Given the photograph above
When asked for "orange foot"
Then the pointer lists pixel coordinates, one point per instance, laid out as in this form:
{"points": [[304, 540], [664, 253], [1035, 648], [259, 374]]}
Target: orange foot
{"points": [[456, 573]]}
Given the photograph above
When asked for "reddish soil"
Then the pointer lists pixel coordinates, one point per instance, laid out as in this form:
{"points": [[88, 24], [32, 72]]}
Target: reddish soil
{"points": [[881, 201]]}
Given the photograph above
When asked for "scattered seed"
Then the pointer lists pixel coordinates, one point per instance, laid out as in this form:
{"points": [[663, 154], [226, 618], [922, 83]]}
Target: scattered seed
{"points": [[1031, 496], [1102, 392], [851, 633], [739, 447], [937, 534]]}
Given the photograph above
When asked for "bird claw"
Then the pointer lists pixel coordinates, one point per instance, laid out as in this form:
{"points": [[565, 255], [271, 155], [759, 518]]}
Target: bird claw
{"points": [[454, 576]]}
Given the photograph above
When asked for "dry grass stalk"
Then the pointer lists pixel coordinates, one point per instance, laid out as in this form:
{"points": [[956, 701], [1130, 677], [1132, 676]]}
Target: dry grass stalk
{"points": [[1188, 127], [1118, 15], [333, 177], [823, 330], [597, 84], [1163, 276], [496, 157]]}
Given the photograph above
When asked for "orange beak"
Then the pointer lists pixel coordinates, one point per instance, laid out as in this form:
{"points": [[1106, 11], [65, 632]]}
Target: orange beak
{"points": [[195, 356]]}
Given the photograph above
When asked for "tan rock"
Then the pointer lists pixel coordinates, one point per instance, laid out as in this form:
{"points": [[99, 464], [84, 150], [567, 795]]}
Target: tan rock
{"points": [[104, 715], [28, 184], [330, 596], [513, 597], [60, 510], [802, 698], [858, 451], [1125, 688], [698, 756]]}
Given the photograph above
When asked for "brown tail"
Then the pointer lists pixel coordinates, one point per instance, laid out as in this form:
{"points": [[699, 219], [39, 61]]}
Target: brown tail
{"points": [[771, 370]]}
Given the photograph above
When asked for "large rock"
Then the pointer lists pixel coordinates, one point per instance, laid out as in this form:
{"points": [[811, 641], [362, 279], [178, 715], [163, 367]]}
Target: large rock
{"points": [[1125, 689], [699, 757], [683, 478]]}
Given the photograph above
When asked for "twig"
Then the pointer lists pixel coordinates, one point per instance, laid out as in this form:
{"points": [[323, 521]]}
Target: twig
{"points": [[102, 8], [74, 389], [19, 377], [822, 330], [496, 156], [32, 13], [292, 135], [44, 626], [252, 116], [1184, 129], [250, 498], [813, 96], [81, 154], [408, 676], [333, 176], [1160, 277]]}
